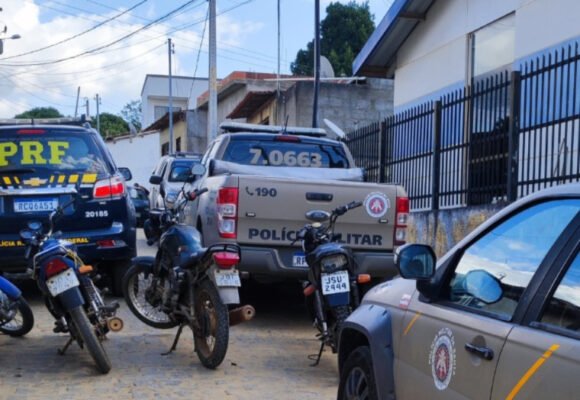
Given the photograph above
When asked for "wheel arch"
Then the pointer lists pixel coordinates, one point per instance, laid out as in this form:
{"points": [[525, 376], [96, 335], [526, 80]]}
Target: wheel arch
{"points": [[371, 325]]}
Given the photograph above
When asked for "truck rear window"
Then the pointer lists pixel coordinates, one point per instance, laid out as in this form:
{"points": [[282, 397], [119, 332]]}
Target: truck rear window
{"points": [[49, 150], [286, 154]]}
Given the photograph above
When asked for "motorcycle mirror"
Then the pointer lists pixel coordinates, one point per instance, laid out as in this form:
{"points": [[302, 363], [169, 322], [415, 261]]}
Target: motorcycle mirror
{"points": [[34, 225], [26, 234], [317, 215]]}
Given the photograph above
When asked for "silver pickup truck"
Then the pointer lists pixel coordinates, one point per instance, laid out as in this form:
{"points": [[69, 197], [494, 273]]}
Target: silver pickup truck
{"points": [[262, 180]]}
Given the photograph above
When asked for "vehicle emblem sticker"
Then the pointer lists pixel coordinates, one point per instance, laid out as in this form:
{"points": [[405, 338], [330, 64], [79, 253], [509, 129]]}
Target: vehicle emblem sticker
{"points": [[404, 302], [442, 358], [377, 204]]}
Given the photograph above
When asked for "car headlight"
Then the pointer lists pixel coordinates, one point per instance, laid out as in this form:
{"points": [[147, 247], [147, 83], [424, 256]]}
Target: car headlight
{"points": [[333, 263]]}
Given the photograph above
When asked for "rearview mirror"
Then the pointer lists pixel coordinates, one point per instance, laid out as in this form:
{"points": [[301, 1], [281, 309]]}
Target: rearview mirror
{"points": [[126, 172], [155, 179], [198, 169], [415, 261]]}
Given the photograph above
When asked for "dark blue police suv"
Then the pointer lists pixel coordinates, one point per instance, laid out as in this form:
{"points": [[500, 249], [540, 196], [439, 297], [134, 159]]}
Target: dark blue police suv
{"points": [[44, 163]]}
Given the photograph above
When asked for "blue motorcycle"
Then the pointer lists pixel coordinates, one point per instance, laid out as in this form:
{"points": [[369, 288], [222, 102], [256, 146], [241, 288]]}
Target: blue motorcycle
{"points": [[16, 318], [68, 290]]}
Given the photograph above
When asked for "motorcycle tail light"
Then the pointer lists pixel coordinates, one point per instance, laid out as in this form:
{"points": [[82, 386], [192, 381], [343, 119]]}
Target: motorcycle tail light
{"points": [[227, 212], [226, 260], [109, 188], [401, 220], [55, 266]]}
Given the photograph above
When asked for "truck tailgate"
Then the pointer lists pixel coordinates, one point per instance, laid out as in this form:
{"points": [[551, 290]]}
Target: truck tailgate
{"points": [[272, 210]]}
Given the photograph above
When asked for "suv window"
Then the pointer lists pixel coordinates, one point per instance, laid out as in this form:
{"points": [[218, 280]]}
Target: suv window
{"points": [[511, 253], [63, 151], [563, 309], [282, 153]]}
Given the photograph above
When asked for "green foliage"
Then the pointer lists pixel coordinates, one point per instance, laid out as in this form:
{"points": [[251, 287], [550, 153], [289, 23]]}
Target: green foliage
{"points": [[40, 112], [131, 113], [343, 34], [112, 125]]}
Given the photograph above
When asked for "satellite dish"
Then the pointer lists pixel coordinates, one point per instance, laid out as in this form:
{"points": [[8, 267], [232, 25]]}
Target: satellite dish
{"points": [[326, 70], [334, 128]]}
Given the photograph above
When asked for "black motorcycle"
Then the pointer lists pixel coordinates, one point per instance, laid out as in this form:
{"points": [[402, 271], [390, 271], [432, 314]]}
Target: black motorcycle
{"points": [[186, 284], [69, 293], [331, 291]]}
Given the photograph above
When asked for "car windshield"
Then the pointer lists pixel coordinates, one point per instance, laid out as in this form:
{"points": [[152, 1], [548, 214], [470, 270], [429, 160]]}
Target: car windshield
{"points": [[280, 153], [180, 171], [53, 150]]}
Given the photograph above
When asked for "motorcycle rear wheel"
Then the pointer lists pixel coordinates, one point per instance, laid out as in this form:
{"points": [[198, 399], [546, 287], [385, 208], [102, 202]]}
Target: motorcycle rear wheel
{"points": [[135, 282], [89, 339], [211, 340], [23, 320]]}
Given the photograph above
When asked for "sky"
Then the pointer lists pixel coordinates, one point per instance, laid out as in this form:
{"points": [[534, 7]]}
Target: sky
{"points": [[106, 47]]}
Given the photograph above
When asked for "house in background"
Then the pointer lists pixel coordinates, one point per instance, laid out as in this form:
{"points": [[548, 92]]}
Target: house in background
{"points": [[155, 95]]}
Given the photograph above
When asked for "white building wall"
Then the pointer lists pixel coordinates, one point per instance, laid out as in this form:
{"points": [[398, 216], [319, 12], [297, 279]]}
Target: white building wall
{"points": [[156, 93], [438, 48], [139, 153]]}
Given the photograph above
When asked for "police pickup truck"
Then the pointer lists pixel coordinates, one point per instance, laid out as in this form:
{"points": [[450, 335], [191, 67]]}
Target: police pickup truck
{"points": [[262, 180]]}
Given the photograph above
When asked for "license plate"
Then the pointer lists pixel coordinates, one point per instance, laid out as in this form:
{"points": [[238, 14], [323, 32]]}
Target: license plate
{"points": [[227, 278], [336, 282], [62, 282], [35, 204], [299, 260]]}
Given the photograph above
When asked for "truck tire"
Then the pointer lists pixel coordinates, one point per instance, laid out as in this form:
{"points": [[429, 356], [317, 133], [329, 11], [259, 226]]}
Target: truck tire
{"points": [[89, 338], [357, 379]]}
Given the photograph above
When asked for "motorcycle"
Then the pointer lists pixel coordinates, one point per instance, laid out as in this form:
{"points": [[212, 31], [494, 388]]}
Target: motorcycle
{"points": [[16, 318], [186, 284], [331, 291], [68, 289]]}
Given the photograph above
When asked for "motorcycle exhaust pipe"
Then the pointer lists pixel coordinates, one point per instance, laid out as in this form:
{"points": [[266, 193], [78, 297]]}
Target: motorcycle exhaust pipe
{"points": [[115, 324], [241, 314]]}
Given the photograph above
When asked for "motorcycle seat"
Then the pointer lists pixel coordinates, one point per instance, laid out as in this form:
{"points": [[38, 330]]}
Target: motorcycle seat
{"points": [[191, 260]]}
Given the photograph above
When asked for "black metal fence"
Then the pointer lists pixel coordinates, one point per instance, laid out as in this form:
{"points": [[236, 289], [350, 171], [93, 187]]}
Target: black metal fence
{"points": [[500, 138]]}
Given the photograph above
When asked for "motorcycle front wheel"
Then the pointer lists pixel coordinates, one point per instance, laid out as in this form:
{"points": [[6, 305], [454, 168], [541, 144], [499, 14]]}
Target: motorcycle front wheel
{"points": [[140, 286], [211, 337], [89, 339], [22, 321]]}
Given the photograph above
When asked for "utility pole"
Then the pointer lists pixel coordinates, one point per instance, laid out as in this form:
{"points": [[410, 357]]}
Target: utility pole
{"points": [[169, 52], [98, 101], [316, 62], [212, 105], [77, 102], [88, 116]]}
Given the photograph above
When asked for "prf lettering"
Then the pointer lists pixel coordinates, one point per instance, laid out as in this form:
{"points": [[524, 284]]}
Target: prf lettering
{"points": [[31, 151]]}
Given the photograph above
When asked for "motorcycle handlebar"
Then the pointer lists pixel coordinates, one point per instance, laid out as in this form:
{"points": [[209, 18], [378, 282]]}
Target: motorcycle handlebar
{"points": [[193, 195], [343, 209]]}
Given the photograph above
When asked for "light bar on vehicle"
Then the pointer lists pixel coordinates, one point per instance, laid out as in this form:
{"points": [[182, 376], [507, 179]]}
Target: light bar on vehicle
{"points": [[275, 129]]}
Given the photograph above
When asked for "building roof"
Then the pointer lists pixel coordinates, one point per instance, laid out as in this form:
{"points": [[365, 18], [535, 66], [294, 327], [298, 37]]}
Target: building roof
{"points": [[378, 56], [163, 122], [252, 102]]}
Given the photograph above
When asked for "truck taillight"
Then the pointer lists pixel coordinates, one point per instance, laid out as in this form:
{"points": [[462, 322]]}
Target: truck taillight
{"points": [[227, 212], [109, 188], [401, 218]]}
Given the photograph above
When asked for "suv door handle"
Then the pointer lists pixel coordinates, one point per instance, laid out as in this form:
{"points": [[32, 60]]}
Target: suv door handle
{"points": [[481, 351]]}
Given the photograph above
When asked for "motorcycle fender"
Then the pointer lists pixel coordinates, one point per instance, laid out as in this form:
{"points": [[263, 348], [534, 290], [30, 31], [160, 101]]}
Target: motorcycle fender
{"points": [[70, 299], [229, 295], [9, 288], [337, 299], [146, 261]]}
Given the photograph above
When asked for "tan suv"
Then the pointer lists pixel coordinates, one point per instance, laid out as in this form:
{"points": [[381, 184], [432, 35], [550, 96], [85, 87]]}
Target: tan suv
{"points": [[498, 319]]}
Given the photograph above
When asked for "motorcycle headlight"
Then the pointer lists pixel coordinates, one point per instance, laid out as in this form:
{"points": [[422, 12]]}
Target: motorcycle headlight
{"points": [[333, 263]]}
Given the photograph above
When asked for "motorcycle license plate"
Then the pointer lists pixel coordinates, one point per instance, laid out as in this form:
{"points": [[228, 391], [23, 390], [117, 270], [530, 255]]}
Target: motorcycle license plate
{"points": [[299, 260], [336, 282], [62, 282], [227, 278]]}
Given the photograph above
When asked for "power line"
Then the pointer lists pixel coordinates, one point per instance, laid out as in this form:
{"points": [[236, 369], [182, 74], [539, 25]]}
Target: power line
{"points": [[87, 52], [75, 36]]}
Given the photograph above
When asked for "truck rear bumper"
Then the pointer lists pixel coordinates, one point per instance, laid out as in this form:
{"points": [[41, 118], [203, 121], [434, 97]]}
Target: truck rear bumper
{"points": [[277, 263]]}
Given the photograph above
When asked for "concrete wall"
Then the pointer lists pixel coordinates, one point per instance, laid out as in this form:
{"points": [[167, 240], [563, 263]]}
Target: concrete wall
{"points": [[139, 153], [196, 131], [348, 106], [435, 56], [442, 229], [179, 131]]}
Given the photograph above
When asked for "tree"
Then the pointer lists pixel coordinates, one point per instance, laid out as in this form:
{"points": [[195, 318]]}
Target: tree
{"points": [[40, 112], [112, 125], [131, 113], [343, 33]]}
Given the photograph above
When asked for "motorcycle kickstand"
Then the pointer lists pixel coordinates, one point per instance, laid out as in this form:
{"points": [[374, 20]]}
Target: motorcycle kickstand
{"points": [[66, 346], [174, 345], [319, 355]]}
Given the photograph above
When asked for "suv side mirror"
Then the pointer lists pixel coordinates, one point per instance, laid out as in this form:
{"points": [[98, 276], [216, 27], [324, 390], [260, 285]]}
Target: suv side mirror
{"points": [[155, 180], [126, 172], [415, 261]]}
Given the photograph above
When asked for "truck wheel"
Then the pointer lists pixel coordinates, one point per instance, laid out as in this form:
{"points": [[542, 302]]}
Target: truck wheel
{"points": [[357, 379]]}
